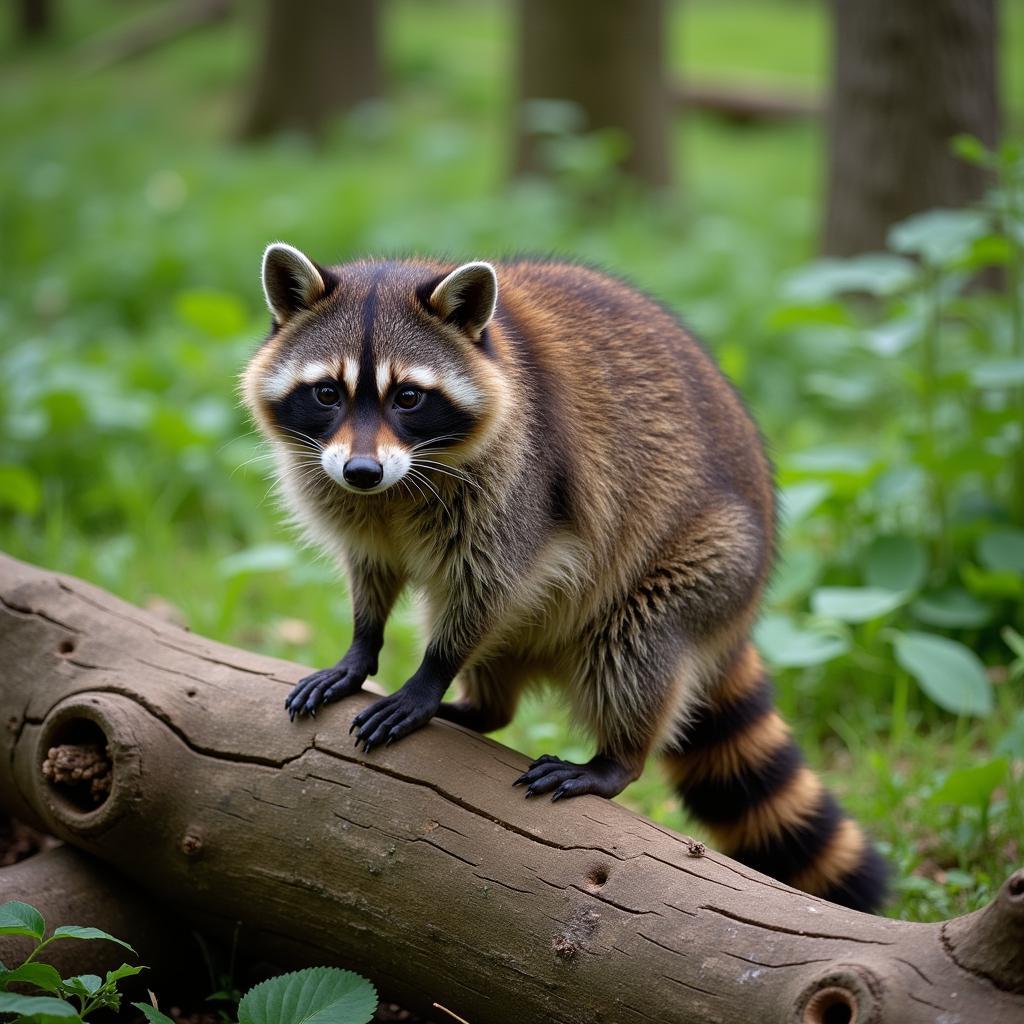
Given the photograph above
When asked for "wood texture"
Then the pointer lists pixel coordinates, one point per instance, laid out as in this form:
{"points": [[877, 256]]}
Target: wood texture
{"points": [[419, 865]]}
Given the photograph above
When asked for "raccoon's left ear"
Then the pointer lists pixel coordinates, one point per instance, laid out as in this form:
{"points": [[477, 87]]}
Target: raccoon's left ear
{"points": [[467, 297], [291, 281]]}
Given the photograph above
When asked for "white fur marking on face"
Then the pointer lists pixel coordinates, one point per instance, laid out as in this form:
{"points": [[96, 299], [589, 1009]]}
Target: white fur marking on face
{"points": [[422, 376], [333, 459], [396, 463], [285, 378], [383, 378], [350, 374], [462, 391]]}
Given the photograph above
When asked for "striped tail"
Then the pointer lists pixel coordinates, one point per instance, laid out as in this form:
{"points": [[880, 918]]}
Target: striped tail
{"points": [[740, 773]]}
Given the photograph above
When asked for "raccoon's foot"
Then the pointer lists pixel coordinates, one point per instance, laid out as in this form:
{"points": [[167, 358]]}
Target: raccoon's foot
{"points": [[330, 684], [394, 717], [602, 775]]}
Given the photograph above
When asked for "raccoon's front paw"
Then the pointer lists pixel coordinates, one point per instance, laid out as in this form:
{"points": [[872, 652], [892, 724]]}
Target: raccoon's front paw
{"points": [[329, 684], [603, 776], [394, 717]]}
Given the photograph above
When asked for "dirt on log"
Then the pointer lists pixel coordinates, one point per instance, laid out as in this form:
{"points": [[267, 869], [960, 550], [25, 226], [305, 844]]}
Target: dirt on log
{"points": [[419, 865]]}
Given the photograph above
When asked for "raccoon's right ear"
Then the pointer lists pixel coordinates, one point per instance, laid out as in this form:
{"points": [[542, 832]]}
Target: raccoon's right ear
{"points": [[291, 281], [467, 297]]}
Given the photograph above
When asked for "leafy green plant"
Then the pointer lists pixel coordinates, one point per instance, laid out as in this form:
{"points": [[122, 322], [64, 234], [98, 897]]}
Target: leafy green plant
{"points": [[326, 995], [89, 991]]}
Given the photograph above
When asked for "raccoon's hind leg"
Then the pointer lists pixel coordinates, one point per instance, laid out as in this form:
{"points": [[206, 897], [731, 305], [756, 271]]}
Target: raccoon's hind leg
{"points": [[489, 697], [740, 773], [374, 591]]}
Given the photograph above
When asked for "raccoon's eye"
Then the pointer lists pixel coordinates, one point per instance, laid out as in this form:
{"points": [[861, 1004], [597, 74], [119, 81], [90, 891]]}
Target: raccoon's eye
{"points": [[327, 394], [408, 398]]}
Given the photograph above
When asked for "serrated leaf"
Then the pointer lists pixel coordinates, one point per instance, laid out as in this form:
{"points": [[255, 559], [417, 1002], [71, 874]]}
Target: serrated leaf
{"points": [[37, 1006], [972, 786], [317, 995], [950, 673], [856, 604], [152, 1014], [74, 931], [18, 918], [41, 975], [786, 645], [895, 563]]}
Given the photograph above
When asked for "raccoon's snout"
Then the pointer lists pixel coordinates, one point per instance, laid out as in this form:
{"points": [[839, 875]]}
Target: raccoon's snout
{"points": [[363, 473]]}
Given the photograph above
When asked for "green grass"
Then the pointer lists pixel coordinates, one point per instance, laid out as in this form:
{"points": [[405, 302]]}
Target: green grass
{"points": [[130, 233]]}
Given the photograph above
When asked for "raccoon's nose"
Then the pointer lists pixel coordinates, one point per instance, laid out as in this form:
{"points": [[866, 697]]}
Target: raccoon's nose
{"points": [[363, 472]]}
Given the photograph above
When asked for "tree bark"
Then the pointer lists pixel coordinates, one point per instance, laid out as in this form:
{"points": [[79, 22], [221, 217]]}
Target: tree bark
{"points": [[907, 77], [318, 58], [70, 887], [419, 865], [607, 58]]}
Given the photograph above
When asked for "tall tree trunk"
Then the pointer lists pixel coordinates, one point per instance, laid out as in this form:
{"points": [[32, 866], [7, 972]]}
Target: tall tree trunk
{"points": [[608, 58], [319, 58], [908, 76]]}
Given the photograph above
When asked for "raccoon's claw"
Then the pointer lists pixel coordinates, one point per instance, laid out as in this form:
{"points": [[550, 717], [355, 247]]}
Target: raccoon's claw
{"points": [[601, 776], [392, 718], [323, 687]]}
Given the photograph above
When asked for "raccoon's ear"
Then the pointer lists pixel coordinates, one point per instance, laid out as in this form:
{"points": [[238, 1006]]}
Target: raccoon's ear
{"points": [[291, 281], [467, 297]]}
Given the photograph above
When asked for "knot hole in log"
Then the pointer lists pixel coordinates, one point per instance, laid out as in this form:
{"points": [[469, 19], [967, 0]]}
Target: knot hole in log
{"points": [[843, 995]]}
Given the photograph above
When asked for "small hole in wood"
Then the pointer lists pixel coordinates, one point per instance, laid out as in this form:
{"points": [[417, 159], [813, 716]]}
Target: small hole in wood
{"points": [[831, 1006], [192, 692], [597, 877], [65, 647], [1016, 885]]}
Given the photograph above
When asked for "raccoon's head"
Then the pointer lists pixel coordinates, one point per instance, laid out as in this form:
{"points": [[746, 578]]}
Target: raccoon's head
{"points": [[375, 370]]}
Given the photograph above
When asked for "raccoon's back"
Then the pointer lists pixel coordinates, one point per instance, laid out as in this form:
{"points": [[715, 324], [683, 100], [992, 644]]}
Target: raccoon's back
{"points": [[633, 411]]}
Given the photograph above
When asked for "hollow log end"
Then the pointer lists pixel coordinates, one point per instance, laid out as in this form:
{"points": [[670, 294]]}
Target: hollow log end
{"points": [[990, 942]]}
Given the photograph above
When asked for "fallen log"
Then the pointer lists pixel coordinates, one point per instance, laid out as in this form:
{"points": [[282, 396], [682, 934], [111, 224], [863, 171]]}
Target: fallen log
{"points": [[419, 865]]}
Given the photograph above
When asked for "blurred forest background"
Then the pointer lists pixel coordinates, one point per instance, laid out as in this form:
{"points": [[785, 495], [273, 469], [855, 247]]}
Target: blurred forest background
{"points": [[713, 152]]}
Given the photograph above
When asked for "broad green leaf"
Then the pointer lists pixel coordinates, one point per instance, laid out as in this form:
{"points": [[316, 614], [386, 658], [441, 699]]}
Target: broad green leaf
{"points": [[124, 971], [797, 572], [938, 236], [85, 984], [972, 786], [74, 931], [21, 919], [41, 975], [873, 273], [799, 500], [856, 604], [951, 608], [1002, 549], [37, 1006], [972, 150], [895, 337], [19, 489], [998, 373], [317, 995], [950, 673], [152, 1014], [895, 563], [786, 645], [835, 459], [262, 558]]}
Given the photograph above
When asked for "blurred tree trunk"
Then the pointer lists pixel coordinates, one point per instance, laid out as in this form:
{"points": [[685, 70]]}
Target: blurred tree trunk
{"points": [[908, 75], [319, 58], [608, 58], [34, 18]]}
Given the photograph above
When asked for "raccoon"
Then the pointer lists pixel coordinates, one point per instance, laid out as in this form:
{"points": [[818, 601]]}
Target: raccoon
{"points": [[562, 472]]}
